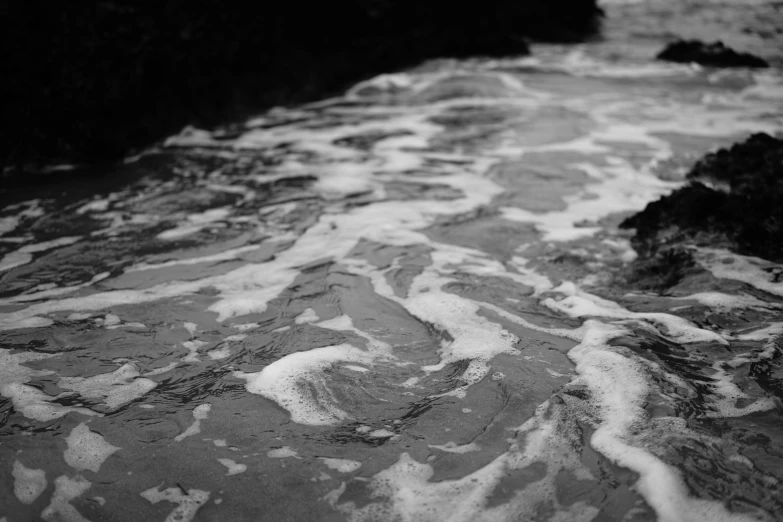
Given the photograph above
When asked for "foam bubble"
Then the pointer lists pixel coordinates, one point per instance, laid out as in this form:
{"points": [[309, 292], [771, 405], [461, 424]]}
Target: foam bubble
{"points": [[308, 316], [338, 181], [245, 326], [190, 327], [192, 347], [341, 465], [334, 495], [282, 453], [221, 352], [65, 490], [233, 467], [380, 434], [28, 483], [111, 320], [200, 413], [187, 504], [87, 449]]}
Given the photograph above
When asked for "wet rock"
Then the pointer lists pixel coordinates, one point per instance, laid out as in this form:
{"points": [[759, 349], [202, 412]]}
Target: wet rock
{"points": [[662, 270], [710, 54], [734, 201]]}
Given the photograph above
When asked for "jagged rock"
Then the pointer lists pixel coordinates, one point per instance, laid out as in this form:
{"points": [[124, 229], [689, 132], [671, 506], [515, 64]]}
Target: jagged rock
{"points": [[742, 210], [710, 54], [666, 268]]}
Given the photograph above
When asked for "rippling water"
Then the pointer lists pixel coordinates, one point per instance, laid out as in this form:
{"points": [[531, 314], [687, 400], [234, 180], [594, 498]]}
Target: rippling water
{"points": [[400, 304]]}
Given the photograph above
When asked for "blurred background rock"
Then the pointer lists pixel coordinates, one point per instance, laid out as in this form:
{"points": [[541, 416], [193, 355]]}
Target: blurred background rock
{"points": [[92, 81]]}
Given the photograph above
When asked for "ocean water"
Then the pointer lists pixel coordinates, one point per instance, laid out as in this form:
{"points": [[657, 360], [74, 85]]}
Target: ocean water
{"points": [[403, 304]]}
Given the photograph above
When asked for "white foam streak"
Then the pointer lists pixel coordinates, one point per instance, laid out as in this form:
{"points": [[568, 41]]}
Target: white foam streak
{"points": [[226, 255], [727, 393], [763, 334], [282, 382], [25, 254], [578, 303], [248, 289], [721, 301], [748, 269], [37, 405], [452, 447], [411, 496], [618, 386], [473, 337], [116, 388], [620, 186]]}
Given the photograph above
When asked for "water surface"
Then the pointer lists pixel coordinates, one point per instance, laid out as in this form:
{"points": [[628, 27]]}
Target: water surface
{"points": [[400, 304]]}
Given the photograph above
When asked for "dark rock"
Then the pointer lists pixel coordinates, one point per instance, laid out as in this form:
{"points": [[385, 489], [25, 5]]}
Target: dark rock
{"points": [[89, 81], [662, 270], [744, 212], [747, 167], [710, 54]]}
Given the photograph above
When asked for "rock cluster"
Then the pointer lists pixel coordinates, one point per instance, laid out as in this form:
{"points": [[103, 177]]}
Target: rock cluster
{"points": [[734, 200], [710, 54]]}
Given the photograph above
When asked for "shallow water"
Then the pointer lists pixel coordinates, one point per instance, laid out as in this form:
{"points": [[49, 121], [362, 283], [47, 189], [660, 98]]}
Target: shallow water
{"points": [[400, 304]]}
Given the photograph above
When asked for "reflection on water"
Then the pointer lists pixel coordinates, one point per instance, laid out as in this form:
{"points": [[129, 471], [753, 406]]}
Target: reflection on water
{"points": [[399, 304]]}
